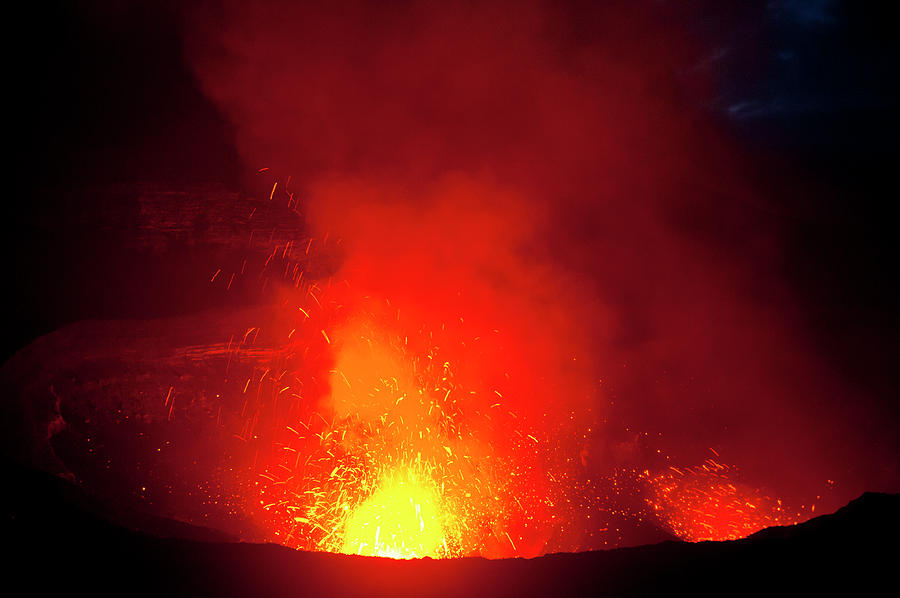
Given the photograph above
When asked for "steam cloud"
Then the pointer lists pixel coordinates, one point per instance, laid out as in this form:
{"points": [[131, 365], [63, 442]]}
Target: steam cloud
{"points": [[543, 171]]}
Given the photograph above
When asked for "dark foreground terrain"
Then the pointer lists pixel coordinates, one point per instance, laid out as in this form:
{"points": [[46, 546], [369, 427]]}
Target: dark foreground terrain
{"points": [[61, 542]]}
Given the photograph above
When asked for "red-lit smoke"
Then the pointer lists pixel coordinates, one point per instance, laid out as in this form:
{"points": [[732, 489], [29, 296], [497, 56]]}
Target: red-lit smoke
{"points": [[541, 171]]}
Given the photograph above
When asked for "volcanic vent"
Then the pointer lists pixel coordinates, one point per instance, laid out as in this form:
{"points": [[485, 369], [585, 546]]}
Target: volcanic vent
{"points": [[492, 285]]}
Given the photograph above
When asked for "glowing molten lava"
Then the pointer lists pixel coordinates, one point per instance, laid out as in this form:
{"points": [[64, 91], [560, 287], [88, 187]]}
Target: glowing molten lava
{"points": [[401, 519], [390, 437], [417, 411], [389, 432], [703, 503]]}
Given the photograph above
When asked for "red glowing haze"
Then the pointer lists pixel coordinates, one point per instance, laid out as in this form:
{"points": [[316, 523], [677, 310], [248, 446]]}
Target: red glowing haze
{"points": [[549, 276]]}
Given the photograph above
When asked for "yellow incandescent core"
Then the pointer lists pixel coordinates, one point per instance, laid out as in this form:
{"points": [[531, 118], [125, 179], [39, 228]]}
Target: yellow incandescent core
{"points": [[400, 520]]}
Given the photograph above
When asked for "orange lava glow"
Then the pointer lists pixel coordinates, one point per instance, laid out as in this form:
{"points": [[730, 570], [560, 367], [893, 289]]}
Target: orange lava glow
{"points": [[703, 503], [411, 448], [402, 519], [421, 431], [406, 453]]}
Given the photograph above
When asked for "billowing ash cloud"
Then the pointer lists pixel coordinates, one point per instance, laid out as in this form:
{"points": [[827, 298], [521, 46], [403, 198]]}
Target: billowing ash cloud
{"points": [[538, 169]]}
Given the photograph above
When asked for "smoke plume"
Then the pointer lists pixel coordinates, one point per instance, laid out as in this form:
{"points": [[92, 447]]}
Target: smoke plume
{"points": [[542, 171]]}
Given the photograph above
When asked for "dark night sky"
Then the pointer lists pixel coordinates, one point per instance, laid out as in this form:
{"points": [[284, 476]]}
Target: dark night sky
{"points": [[103, 94]]}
